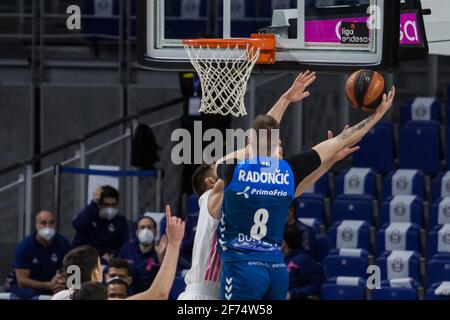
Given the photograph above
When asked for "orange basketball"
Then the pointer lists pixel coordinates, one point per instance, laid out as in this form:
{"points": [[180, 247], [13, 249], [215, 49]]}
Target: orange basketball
{"points": [[365, 89]]}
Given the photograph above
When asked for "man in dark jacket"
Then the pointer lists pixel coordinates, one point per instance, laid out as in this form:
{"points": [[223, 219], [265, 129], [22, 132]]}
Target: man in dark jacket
{"points": [[306, 275], [100, 225]]}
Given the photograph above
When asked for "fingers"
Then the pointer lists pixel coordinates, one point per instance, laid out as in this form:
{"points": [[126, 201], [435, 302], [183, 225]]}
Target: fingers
{"points": [[330, 134], [168, 213], [353, 150], [306, 94]]}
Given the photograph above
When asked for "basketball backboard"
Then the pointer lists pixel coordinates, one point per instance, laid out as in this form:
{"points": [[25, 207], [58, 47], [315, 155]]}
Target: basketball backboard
{"points": [[309, 33]]}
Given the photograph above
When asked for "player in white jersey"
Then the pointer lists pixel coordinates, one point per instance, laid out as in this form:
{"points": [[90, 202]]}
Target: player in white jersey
{"points": [[202, 280]]}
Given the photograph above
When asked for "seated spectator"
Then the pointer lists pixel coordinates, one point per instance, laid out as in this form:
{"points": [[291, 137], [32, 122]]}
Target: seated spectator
{"points": [[308, 236], [162, 284], [100, 225], [117, 288], [87, 260], [305, 274], [143, 256], [37, 260], [90, 291], [119, 268]]}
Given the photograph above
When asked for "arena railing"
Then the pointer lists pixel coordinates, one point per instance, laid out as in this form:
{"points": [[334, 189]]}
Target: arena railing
{"points": [[24, 183]]}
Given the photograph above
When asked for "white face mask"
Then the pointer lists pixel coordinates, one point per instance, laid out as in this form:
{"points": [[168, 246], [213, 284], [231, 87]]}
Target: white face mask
{"points": [[146, 237], [47, 233], [108, 213]]}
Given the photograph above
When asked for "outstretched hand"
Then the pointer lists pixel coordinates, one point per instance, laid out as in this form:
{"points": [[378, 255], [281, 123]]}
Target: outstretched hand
{"points": [[344, 153], [174, 229], [298, 91], [386, 103]]}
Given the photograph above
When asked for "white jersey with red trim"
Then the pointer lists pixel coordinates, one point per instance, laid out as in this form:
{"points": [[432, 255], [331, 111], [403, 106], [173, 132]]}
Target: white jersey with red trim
{"points": [[203, 279]]}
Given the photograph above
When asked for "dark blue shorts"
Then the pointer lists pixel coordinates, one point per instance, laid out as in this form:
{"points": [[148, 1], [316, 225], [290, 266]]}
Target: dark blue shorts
{"points": [[254, 280]]}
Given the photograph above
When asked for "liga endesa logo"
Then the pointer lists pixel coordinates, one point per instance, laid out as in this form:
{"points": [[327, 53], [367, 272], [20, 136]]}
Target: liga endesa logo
{"points": [[354, 33]]}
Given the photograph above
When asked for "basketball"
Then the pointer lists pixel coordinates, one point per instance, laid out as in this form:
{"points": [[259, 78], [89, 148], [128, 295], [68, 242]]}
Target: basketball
{"points": [[365, 89]]}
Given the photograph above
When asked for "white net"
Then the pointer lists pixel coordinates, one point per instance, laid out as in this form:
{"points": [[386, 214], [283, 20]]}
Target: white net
{"points": [[224, 74]]}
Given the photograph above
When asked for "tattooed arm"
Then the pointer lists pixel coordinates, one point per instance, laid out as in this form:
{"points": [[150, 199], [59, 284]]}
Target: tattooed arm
{"points": [[328, 150]]}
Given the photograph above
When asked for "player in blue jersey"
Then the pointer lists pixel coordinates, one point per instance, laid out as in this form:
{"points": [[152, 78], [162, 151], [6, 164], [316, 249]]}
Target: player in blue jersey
{"points": [[254, 193]]}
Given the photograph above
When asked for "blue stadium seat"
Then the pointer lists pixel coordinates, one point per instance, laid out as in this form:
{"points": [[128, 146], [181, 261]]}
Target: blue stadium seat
{"points": [[320, 187], [323, 247], [398, 236], [352, 208], [440, 212], [343, 288], [400, 283], [377, 149], [439, 291], [187, 19], [438, 271], [421, 109], [347, 263], [356, 181], [314, 224], [402, 209], [102, 26], [420, 146], [404, 182], [440, 186], [311, 206], [385, 294], [399, 265], [439, 241], [350, 234]]}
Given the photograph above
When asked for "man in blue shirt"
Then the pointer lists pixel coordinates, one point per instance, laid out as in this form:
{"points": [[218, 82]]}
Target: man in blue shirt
{"points": [[306, 275], [143, 255], [37, 260], [100, 225]]}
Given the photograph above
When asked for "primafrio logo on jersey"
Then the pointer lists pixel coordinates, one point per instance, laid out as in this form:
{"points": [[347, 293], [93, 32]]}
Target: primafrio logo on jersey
{"points": [[276, 177]]}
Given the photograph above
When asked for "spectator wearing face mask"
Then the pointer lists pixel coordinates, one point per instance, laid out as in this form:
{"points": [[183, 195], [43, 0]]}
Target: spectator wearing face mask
{"points": [[143, 255], [100, 225], [37, 260], [88, 262]]}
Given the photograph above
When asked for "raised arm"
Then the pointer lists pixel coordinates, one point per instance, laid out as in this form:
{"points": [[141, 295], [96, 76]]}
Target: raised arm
{"points": [[328, 149], [324, 167], [161, 286], [295, 93]]}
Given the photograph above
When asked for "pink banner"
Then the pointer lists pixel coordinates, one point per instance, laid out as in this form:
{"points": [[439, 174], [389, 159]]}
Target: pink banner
{"points": [[329, 31]]}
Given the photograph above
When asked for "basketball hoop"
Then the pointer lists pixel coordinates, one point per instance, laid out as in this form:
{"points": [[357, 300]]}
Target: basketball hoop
{"points": [[224, 67]]}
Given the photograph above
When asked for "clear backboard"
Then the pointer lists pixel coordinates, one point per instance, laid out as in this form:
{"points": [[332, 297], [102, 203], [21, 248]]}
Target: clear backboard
{"points": [[317, 33]]}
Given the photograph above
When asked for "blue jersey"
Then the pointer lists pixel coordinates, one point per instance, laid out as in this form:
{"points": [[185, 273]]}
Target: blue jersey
{"points": [[254, 210]]}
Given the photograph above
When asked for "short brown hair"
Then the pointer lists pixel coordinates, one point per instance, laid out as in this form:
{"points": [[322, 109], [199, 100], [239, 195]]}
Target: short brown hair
{"points": [[198, 179], [268, 123]]}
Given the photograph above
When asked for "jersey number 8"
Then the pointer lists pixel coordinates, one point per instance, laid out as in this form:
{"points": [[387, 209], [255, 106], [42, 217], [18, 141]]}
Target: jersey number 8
{"points": [[259, 229]]}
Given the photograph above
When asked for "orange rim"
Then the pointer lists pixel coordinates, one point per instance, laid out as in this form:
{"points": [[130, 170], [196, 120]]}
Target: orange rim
{"points": [[264, 42]]}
